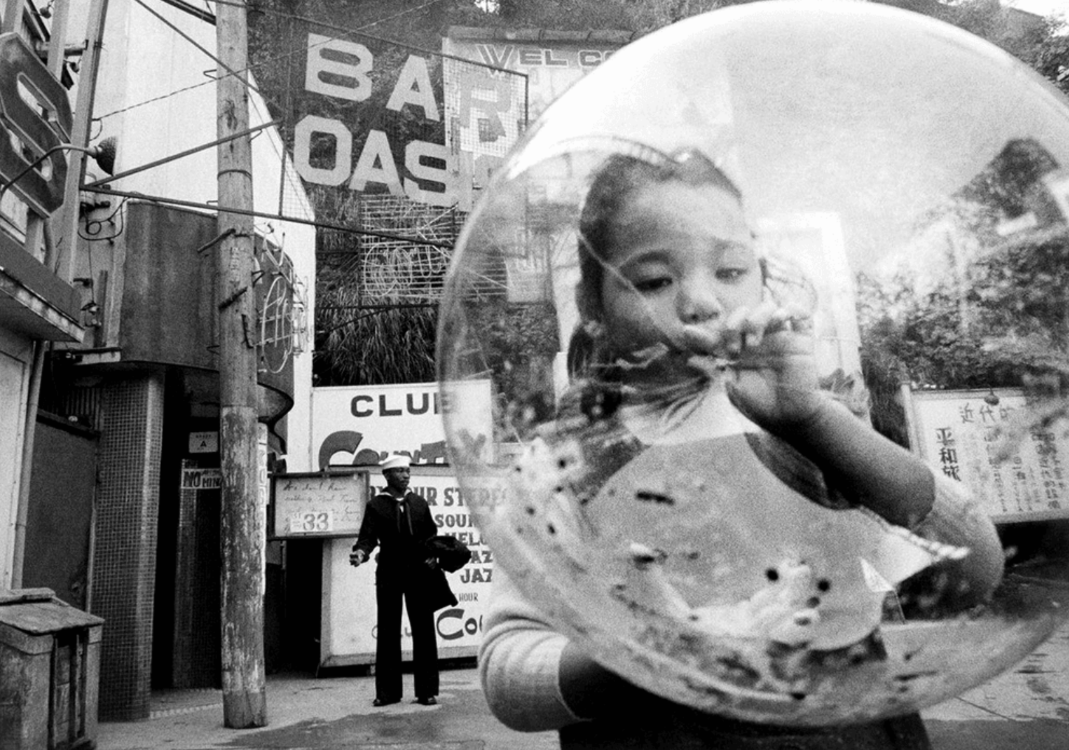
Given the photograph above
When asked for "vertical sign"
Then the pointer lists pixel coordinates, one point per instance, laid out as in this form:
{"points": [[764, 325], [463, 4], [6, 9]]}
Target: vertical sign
{"points": [[964, 433], [25, 130]]}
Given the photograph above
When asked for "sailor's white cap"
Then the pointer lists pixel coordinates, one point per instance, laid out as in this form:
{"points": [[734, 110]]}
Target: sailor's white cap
{"points": [[396, 461]]}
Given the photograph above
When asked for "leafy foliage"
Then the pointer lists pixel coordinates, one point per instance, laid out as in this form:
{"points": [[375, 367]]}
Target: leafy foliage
{"points": [[988, 304], [517, 344], [378, 346], [1041, 43]]}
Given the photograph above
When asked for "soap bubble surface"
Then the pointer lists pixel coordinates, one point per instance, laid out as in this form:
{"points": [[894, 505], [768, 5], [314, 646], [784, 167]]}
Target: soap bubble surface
{"points": [[903, 187]]}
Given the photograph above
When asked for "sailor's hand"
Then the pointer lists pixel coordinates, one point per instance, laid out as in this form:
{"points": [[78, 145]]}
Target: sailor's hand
{"points": [[357, 558]]}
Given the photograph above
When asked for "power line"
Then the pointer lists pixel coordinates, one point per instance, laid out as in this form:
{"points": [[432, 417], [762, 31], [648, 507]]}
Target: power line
{"points": [[295, 51]]}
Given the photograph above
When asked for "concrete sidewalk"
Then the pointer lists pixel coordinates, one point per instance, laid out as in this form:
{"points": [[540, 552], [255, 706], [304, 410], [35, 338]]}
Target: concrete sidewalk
{"points": [[328, 713], [1026, 708]]}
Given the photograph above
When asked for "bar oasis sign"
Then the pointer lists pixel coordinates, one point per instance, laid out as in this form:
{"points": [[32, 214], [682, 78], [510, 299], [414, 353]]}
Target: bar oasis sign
{"points": [[326, 150]]}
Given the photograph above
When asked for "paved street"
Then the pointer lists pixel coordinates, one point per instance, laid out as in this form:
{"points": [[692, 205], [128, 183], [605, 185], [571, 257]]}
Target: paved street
{"points": [[328, 713], [1026, 708]]}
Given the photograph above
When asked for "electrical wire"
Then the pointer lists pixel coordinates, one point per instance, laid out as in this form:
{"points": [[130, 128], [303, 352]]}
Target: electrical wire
{"points": [[252, 68], [94, 227]]}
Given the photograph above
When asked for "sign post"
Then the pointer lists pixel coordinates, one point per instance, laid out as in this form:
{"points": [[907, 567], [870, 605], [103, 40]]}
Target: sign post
{"points": [[319, 505], [243, 518]]}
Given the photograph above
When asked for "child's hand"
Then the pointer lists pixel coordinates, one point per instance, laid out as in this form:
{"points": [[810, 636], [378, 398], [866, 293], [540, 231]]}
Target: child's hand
{"points": [[770, 349]]}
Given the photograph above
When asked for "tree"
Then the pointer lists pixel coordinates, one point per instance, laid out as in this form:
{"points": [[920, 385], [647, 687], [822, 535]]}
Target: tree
{"points": [[989, 305], [1041, 43]]}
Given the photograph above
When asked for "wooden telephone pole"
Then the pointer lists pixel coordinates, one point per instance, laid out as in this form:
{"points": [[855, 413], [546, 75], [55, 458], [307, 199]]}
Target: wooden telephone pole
{"points": [[243, 522]]}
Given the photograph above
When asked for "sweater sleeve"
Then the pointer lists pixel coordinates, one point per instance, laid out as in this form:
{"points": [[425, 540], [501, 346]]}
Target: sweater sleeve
{"points": [[958, 520], [519, 662], [873, 472]]}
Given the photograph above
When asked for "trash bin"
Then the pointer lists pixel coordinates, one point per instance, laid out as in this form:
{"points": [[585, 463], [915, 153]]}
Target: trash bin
{"points": [[49, 672]]}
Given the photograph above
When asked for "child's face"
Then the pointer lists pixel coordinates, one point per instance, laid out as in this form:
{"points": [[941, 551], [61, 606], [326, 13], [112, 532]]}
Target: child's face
{"points": [[679, 255]]}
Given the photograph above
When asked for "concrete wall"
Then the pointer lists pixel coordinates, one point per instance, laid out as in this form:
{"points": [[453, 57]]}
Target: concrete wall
{"points": [[15, 354]]}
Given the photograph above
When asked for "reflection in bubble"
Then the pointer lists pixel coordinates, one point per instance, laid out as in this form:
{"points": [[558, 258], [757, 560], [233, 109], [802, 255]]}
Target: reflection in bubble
{"points": [[727, 252]]}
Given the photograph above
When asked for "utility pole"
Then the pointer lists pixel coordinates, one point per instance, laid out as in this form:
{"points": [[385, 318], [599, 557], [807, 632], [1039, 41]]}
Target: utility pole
{"points": [[243, 521]]}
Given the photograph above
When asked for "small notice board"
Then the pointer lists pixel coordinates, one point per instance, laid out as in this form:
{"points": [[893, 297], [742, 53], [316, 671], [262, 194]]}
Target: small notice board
{"points": [[962, 433], [319, 505]]}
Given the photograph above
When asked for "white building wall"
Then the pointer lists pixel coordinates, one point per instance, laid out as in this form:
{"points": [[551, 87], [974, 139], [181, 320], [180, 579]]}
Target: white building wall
{"points": [[15, 356], [156, 94]]}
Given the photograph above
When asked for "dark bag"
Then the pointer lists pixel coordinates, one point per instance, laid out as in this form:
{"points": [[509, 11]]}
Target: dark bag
{"points": [[438, 592], [451, 553]]}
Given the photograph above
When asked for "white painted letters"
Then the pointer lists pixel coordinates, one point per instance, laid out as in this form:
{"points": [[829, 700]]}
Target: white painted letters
{"points": [[376, 165], [359, 88], [323, 151], [414, 87], [415, 152], [302, 147]]}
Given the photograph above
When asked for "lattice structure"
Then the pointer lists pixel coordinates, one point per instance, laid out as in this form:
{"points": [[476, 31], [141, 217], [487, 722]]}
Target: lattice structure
{"points": [[486, 109], [399, 271], [378, 270]]}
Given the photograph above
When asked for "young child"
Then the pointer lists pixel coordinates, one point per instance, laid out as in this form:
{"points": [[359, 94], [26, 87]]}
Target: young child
{"points": [[696, 396]]}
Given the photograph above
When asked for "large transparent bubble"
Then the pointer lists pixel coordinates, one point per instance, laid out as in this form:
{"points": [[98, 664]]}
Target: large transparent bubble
{"points": [[750, 207]]}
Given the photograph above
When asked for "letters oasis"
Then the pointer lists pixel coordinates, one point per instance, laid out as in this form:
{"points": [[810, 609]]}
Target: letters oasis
{"points": [[341, 69]]}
